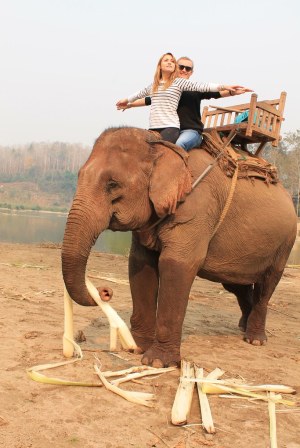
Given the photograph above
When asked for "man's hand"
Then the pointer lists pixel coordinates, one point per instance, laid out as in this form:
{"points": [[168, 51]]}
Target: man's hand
{"points": [[233, 89], [240, 91]]}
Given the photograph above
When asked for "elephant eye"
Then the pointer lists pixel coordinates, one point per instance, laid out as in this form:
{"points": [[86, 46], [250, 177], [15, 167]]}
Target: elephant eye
{"points": [[111, 185]]}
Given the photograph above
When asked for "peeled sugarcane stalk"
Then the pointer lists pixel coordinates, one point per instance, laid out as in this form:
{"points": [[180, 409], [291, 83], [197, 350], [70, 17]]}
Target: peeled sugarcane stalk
{"points": [[207, 420], [183, 398], [71, 349], [68, 337], [272, 417], [134, 397], [118, 326]]}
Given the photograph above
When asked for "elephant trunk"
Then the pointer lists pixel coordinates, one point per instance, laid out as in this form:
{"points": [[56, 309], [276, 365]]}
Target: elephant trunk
{"points": [[81, 233]]}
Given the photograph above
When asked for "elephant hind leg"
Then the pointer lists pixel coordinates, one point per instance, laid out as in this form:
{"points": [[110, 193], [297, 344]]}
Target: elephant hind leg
{"points": [[244, 295], [263, 290]]}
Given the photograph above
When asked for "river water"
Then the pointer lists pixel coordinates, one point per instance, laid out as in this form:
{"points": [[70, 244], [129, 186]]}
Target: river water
{"points": [[44, 227], [38, 227]]}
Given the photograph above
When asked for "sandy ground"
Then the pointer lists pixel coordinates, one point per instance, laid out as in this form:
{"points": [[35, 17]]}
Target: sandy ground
{"points": [[41, 416]]}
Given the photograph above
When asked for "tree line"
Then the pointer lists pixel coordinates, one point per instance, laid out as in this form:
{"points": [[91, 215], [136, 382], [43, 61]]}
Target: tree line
{"points": [[54, 166], [286, 157]]}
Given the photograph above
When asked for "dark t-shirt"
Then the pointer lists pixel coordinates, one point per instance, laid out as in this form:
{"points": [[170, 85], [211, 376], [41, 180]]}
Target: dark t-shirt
{"points": [[189, 111]]}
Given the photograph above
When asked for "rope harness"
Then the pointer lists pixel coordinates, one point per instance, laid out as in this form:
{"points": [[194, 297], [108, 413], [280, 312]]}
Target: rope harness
{"points": [[234, 164]]}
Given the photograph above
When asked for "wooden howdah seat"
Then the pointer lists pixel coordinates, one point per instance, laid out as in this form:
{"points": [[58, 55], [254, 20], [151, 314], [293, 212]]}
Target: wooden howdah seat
{"points": [[254, 122]]}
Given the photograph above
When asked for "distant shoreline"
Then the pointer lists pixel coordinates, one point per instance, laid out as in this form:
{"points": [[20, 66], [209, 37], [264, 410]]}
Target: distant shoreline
{"points": [[24, 210]]}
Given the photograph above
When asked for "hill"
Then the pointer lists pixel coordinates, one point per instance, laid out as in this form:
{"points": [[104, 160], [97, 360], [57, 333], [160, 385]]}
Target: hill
{"points": [[40, 175], [28, 195]]}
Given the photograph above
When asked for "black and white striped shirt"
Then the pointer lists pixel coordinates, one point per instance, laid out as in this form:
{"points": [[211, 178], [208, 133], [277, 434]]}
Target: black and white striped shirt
{"points": [[164, 102]]}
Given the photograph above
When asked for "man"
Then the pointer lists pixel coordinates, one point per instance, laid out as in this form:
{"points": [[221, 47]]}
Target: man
{"points": [[189, 107]]}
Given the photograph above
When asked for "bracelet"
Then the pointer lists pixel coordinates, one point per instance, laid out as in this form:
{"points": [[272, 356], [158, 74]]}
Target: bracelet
{"points": [[230, 93]]}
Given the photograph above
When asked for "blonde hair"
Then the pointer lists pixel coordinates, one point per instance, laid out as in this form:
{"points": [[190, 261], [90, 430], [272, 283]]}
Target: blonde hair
{"points": [[157, 75]]}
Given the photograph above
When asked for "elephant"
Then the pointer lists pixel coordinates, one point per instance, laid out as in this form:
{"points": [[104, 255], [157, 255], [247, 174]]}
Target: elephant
{"points": [[132, 181]]}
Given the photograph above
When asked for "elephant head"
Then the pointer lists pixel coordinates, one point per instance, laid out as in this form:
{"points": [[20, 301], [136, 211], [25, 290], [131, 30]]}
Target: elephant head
{"points": [[130, 179]]}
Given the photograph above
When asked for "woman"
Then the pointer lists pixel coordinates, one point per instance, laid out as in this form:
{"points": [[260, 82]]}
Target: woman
{"points": [[165, 92]]}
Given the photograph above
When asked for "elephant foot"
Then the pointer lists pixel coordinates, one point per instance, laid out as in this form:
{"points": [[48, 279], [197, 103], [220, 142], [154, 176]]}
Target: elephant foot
{"points": [[142, 343], [243, 324], [257, 339], [159, 357]]}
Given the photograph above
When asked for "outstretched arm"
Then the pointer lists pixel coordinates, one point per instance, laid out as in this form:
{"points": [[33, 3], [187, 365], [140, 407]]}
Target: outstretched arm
{"points": [[137, 103], [139, 95], [237, 91]]}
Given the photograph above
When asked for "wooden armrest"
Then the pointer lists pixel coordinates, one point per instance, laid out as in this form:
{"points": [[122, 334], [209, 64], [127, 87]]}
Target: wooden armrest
{"points": [[268, 108], [226, 109]]}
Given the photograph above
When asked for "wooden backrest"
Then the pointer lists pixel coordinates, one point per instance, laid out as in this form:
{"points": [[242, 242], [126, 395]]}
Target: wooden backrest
{"points": [[264, 117]]}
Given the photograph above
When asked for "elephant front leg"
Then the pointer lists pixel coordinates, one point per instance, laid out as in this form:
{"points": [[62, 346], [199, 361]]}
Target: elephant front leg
{"points": [[175, 283], [143, 277]]}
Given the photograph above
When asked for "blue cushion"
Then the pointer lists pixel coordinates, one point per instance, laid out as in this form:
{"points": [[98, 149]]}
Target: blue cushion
{"points": [[244, 117]]}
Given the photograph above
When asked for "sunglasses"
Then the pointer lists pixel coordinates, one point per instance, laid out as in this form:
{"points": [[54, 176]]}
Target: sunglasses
{"points": [[186, 67]]}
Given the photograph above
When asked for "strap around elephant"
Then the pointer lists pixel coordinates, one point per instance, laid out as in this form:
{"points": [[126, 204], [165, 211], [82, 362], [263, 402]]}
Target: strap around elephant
{"points": [[177, 149]]}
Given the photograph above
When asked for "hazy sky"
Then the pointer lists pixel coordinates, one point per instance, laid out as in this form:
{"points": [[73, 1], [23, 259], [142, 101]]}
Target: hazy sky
{"points": [[65, 63]]}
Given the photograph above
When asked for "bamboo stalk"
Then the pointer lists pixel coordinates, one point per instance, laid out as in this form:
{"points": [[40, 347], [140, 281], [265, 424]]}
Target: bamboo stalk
{"points": [[183, 398]]}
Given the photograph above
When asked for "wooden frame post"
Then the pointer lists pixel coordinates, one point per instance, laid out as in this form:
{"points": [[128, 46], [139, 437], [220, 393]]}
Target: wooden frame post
{"points": [[251, 116]]}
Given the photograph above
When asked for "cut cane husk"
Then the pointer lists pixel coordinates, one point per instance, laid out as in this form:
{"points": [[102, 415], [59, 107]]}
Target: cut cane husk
{"points": [[147, 372], [183, 398], [35, 375], [220, 389], [142, 398], [40, 378], [210, 386]]}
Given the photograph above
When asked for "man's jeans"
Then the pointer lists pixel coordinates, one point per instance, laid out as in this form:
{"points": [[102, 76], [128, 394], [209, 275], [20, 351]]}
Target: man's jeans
{"points": [[189, 139]]}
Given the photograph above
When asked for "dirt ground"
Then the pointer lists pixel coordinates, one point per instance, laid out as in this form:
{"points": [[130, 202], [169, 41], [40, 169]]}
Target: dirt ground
{"points": [[35, 415]]}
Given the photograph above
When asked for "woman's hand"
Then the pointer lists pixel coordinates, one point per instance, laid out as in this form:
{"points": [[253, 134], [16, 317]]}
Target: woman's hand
{"points": [[121, 104]]}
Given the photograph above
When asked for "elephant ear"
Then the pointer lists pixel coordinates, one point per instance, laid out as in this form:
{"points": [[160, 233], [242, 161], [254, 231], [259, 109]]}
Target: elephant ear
{"points": [[170, 180]]}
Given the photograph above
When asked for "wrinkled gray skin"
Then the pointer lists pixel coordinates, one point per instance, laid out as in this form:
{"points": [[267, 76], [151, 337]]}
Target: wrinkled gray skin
{"points": [[127, 184]]}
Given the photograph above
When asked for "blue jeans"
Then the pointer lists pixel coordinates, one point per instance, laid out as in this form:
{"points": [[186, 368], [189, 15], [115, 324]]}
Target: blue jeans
{"points": [[188, 139]]}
